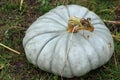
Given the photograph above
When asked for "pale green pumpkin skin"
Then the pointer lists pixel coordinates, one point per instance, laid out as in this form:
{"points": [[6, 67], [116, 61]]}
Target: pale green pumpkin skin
{"points": [[46, 42]]}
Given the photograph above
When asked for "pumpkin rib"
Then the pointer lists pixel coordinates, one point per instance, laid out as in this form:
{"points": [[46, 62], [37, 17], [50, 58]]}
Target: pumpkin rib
{"points": [[55, 52], [58, 14], [68, 55], [67, 11], [42, 31], [87, 54], [47, 30], [98, 23], [67, 7], [106, 41], [38, 35], [43, 47], [37, 52], [101, 28], [106, 50], [94, 23], [97, 56], [72, 74], [94, 19], [87, 60], [87, 40], [97, 33], [91, 15], [98, 29], [102, 31], [54, 21], [51, 62], [76, 63], [46, 60], [76, 12], [104, 46], [52, 57], [85, 14], [63, 18]]}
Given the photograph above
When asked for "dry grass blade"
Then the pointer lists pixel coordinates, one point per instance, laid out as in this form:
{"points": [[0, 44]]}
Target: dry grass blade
{"points": [[113, 22], [116, 37], [21, 3], [115, 59], [9, 48]]}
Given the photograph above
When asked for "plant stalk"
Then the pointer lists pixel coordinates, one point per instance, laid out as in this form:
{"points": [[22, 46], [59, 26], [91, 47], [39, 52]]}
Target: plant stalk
{"points": [[9, 48]]}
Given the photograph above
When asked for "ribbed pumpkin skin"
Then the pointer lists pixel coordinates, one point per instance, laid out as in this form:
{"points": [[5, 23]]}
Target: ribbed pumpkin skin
{"points": [[46, 42]]}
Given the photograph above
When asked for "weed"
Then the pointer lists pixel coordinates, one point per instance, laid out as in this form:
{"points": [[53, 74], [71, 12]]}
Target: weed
{"points": [[45, 6], [7, 7]]}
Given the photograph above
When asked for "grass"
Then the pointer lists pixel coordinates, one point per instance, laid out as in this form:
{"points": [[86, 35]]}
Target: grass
{"points": [[14, 23]]}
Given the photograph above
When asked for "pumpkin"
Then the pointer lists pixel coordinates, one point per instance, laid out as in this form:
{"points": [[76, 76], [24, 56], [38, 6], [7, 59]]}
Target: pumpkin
{"points": [[68, 41]]}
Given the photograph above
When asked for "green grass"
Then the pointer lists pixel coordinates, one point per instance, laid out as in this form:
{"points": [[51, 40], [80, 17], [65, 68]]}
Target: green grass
{"points": [[14, 23], [7, 7]]}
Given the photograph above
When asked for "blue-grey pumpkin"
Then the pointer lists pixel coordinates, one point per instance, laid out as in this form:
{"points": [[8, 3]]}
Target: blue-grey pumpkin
{"points": [[46, 42]]}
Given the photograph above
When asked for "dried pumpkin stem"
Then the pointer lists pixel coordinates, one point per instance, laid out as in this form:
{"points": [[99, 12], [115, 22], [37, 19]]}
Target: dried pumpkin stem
{"points": [[79, 24]]}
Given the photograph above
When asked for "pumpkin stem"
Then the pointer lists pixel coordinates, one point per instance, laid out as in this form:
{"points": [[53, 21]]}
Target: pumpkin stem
{"points": [[79, 24]]}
